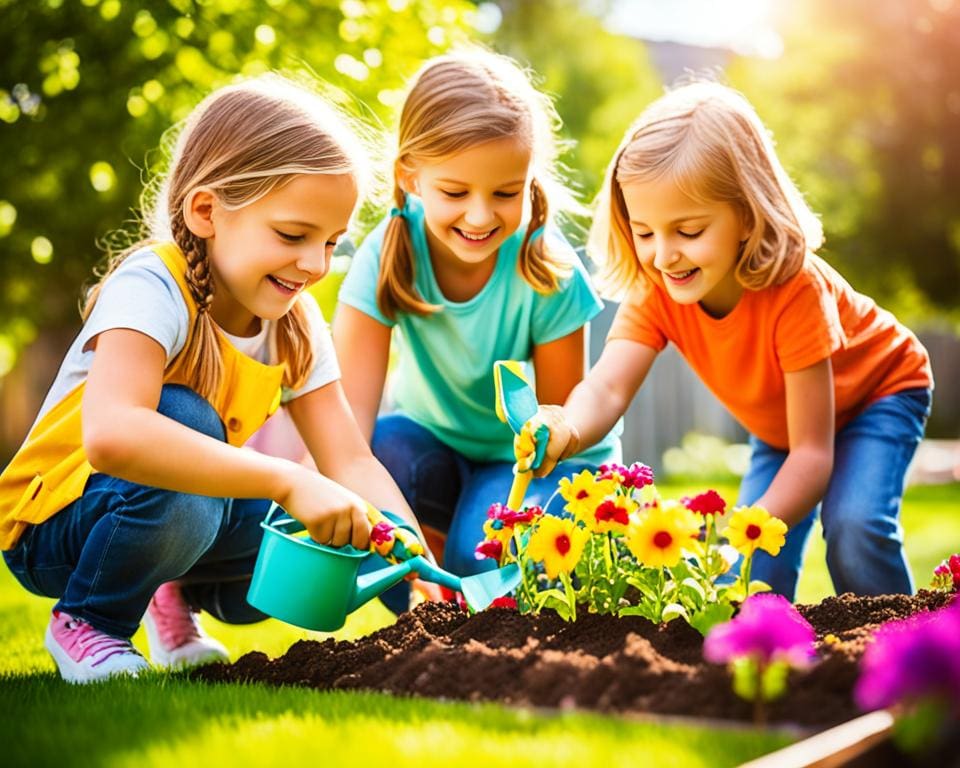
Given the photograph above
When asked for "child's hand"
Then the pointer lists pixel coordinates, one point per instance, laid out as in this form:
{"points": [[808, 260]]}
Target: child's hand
{"points": [[564, 439], [331, 513]]}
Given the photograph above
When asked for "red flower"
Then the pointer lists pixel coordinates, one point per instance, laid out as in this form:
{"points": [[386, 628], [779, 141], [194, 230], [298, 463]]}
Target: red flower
{"points": [[608, 511], [492, 549], [504, 602], [510, 517], [709, 503]]}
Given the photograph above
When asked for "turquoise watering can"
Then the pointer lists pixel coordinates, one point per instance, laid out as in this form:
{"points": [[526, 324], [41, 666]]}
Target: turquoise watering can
{"points": [[316, 586]]}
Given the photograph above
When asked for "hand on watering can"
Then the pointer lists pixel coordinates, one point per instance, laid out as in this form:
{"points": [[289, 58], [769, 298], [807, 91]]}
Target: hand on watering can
{"points": [[331, 514], [564, 440]]}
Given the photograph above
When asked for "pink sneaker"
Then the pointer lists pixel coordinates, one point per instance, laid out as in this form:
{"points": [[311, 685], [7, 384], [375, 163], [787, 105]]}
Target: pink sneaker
{"points": [[176, 638], [84, 654]]}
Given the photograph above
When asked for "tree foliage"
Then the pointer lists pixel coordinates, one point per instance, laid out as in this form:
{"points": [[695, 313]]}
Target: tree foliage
{"points": [[865, 105], [87, 89]]}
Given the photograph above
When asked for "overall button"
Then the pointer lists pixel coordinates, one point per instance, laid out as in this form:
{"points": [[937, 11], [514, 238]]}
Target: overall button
{"points": [[234, 424]]}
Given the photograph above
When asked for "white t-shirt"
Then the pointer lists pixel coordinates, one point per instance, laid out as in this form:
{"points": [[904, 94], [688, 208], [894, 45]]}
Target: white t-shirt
{"points": [[143, 296]]}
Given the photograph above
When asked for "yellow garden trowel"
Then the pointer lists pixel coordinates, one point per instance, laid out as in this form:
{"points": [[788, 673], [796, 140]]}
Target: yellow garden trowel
{"points": [[516, 404]]}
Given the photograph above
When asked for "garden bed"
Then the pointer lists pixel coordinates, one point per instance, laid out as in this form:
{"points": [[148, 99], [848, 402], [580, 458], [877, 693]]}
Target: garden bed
{"points": [[626, 665]]}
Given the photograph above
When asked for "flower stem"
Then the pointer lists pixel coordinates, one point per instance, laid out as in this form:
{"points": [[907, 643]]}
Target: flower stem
{"points": [[745, 575], [661, 580], [571, 595]]}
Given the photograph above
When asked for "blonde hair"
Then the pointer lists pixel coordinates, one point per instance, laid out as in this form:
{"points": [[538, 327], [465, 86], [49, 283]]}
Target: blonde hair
{"points": [[242, 142], [456, 102], [707, 139]]}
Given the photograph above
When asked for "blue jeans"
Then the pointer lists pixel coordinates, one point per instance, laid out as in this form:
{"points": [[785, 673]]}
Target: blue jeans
{"points": [[450, 493], [860, 511], [105, 554]]}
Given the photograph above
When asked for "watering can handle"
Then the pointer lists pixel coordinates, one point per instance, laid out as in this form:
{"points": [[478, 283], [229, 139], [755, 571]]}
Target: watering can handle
{"points": [[391, 536]]}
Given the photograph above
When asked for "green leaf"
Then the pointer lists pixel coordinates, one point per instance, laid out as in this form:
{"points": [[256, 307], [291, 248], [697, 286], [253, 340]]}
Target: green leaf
{"points": [[672, 611], [745, 678], [713, 614], [774, 681], [759, 586]]}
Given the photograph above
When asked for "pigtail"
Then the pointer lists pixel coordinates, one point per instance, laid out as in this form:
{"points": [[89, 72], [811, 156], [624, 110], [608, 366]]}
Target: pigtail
{"points": [[294, 346], [204, 362], [536, 266], [395, 290]]}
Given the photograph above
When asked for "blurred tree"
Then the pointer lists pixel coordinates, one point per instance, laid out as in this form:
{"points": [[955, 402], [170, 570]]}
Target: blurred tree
{"points": [[865, 105], [601, 80], [88, 86]]}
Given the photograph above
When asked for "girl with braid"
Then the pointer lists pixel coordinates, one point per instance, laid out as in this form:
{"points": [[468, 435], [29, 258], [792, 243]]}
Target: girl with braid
{"points": [[469, 268], [132, 497]]}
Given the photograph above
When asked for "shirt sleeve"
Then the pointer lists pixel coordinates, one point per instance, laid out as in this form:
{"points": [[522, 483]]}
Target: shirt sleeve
{"points": [[562, 312], [638, 318], [143, 296], [359, 287], [325, 366], [808, 327]]}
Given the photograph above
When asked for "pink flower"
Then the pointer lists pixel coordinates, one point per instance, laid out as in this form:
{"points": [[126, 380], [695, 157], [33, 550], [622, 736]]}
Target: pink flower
{"points": [[768, 628], [510, 517], [382, 533], [637, 475], [707, 503], [492, 549], [946, 576]]}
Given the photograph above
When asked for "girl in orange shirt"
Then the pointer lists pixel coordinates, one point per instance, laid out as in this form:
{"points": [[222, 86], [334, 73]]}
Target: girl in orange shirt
{"points": [[701, 228]]}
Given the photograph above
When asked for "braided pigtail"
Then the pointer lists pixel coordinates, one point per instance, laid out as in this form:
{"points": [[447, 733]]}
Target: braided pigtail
{"points": [[203, 361]]}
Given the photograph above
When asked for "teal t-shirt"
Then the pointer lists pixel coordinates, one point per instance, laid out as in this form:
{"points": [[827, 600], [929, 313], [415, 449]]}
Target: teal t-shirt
{"points": [[444, 377]]}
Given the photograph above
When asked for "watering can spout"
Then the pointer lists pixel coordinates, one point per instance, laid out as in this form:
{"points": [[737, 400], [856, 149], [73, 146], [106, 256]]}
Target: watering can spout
{"points": [[371, 585]]}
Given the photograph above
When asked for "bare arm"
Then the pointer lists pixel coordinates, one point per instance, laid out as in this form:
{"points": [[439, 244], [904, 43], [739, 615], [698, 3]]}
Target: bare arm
{"points": [[125, 436], [340, 451], [560, 365], [597, 402], [363, 350], [802, 479]]}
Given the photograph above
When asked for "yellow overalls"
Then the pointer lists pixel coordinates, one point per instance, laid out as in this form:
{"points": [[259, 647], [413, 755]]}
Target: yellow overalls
{"points": [[51, 469]]}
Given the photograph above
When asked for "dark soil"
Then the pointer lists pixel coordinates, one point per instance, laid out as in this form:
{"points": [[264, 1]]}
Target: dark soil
{"points": [[627, 665]]}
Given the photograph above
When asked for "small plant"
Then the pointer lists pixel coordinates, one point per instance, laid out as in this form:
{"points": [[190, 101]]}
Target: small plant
{"points": [[620, 548], [913, 665], [946, 576], [765, 640]]}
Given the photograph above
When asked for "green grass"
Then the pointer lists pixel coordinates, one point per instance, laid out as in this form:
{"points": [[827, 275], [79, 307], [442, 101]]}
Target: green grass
{"points": [[165, 720]]}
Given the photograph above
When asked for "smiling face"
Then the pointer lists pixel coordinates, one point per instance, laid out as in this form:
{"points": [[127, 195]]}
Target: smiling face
{"points": [[692, 247], [473, 200], [264, 254]]}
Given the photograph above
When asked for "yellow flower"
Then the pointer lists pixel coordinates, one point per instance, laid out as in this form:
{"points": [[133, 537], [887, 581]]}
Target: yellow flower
{"points": [[753, 528], [583, 493], [661, 534], [558, 543], [491, 532]]}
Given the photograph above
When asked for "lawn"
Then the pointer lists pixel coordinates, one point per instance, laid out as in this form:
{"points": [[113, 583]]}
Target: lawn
{"points": [[165, 720]]}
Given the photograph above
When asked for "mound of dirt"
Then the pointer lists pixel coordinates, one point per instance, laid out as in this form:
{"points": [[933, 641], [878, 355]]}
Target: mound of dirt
{"points": [[627, 665]]}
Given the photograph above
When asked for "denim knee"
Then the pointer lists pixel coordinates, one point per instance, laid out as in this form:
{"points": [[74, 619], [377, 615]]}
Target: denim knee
{"points": [[185, 406], [186, 524]]}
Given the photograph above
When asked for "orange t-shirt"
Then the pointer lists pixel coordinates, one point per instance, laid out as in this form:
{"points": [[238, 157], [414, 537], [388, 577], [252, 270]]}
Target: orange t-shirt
{"points": [[812, 316]]}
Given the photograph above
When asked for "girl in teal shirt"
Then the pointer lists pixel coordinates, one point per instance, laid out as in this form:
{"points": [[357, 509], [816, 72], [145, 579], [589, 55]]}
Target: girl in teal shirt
{"points": [[470, 270]]}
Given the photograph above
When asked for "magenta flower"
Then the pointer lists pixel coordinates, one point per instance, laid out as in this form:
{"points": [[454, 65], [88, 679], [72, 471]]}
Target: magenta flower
{"points": [[508, 518], [913, 658], [637, 475], [707, 503], [768, 628]]}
